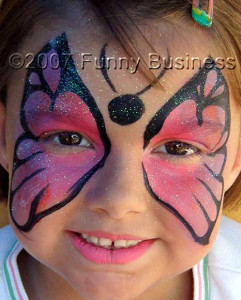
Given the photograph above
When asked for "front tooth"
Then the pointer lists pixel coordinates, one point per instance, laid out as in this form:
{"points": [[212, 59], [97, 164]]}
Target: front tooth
{"points": [[88, 239], [131, 243], [84, 235], [93, 239], [105, 242], [120, 243]]}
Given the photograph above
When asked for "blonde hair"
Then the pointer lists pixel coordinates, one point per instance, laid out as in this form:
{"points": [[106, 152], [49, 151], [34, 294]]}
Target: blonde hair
{"points": [[16, 19]]}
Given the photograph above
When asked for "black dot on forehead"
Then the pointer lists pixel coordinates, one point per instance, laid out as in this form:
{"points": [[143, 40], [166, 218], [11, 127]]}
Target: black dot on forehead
{"points": [[126, 109]]}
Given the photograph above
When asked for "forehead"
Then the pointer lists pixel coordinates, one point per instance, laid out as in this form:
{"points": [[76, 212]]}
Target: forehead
{"points": [[87, 38]]}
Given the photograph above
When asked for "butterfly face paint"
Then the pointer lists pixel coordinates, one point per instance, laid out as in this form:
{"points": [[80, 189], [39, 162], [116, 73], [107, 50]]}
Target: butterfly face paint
{"points": [[125, 109], [199, 113], [46, 177], [54, 100]]}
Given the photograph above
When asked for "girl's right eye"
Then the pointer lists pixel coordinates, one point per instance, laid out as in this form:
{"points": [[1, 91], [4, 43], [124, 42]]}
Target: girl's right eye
{"points": [[70, 139], [65, 142]]}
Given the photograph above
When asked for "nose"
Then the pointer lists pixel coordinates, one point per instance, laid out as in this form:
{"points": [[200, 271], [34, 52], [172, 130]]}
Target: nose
{"points": [[118, 188]]}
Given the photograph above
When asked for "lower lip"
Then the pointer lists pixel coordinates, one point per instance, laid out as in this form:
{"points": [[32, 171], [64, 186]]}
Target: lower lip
{"points": [[100, 255]]}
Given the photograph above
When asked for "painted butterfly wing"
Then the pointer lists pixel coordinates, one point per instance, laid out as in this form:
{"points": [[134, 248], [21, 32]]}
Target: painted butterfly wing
{"points": [[55, 98], [192, 192]]}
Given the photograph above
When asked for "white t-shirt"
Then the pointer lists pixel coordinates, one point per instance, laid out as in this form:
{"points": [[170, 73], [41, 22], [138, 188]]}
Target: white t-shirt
{"points": [[216, 277]]}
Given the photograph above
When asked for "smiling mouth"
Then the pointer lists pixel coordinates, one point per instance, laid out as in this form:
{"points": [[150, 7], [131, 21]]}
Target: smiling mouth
{"points": [[108, 243], [100, 250]]}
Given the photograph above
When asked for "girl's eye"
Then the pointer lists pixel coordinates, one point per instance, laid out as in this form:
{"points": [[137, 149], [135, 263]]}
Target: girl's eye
{"points": [[71, 139], [177, 148], [66, 142]]}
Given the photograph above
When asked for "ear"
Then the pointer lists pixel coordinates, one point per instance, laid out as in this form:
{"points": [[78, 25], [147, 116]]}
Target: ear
{"points": [[236, 169], [3, 150]]}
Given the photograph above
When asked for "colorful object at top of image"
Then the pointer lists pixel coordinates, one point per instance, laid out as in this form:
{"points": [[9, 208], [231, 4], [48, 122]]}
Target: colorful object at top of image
{"points": [[201, 17]]}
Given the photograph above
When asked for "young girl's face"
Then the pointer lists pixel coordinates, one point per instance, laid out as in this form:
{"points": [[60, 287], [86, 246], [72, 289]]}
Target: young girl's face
{"points": [[101, 153]]}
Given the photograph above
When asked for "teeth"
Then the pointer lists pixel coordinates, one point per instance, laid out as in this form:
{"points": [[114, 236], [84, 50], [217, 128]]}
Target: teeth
{"points": [[120, 244], [107, 243], [93, 239], [132, 243]]}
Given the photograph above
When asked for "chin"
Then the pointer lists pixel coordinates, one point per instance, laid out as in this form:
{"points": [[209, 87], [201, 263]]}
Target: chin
{"points": [[109, 286], [105, 295]]}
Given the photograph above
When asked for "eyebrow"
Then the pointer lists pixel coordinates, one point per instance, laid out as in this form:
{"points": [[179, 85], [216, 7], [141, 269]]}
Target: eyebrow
{"points": [[108, 80], [104, 68], [162, 73]]}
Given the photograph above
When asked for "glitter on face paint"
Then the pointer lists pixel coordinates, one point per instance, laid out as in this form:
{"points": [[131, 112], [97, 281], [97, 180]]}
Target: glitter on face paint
{"points": [[126, 109], [37, 179], [196, 113], [51, 182]]}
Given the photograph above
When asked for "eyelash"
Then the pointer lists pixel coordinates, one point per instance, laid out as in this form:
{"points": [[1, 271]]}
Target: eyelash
{"points": [[55, 140], [173, 144], [197, 152], [57, 145]]}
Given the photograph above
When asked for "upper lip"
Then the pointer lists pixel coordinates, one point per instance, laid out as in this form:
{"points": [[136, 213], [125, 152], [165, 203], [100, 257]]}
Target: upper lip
{"points": [[113, 237]]}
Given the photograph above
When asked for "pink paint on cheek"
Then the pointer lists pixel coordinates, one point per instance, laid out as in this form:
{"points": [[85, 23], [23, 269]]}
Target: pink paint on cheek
{"points": [[204, 197], [25, 170], [176, 186], [23, 198], [57, 173], [60, 174], [209, 180], [27, 148], [48, 175], [189, 189], [215, 164]]}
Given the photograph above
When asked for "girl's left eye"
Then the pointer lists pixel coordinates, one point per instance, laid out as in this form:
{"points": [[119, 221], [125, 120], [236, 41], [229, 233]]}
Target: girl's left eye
{"points": [[177, 148]]}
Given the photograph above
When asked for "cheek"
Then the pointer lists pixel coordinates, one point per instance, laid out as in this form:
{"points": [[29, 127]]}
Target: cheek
{"points": [[44, 180], [46, 177], [192, 193]]}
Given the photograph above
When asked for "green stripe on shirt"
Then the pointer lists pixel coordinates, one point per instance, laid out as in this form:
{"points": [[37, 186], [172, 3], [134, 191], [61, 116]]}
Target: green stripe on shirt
{"points": [[6, 273], [205, 276]]}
